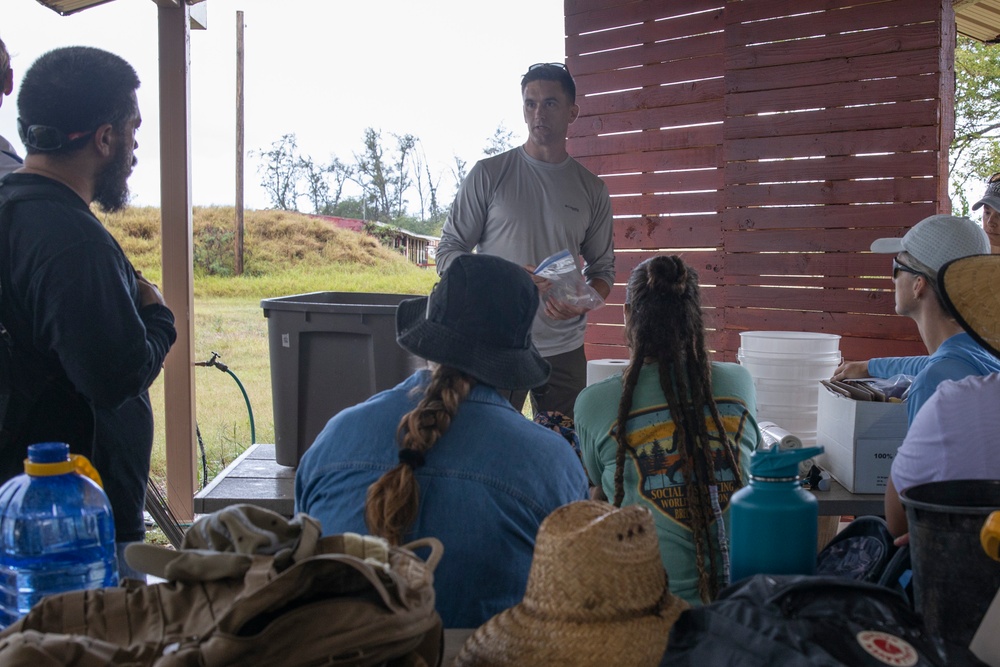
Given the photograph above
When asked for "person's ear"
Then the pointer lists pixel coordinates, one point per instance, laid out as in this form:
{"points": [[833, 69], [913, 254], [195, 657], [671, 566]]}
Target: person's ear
{"points": [[104, 139], [8, 82], [574, 112], [922, 286]]}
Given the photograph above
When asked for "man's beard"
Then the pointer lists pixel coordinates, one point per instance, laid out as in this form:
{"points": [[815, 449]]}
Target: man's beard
{"points": [[111, 189]]}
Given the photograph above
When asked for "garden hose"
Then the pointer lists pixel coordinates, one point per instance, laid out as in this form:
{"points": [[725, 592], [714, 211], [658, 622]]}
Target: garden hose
{"points": [[214, 361]]}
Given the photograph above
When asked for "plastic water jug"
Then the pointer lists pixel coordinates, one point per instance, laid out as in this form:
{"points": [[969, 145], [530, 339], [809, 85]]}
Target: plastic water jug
{"points": [[57, 532], [773, 519]]}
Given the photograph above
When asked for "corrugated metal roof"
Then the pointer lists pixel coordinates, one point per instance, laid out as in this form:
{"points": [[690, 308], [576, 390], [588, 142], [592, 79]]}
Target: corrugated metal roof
{"points": [[67, 7], [978, 19]]}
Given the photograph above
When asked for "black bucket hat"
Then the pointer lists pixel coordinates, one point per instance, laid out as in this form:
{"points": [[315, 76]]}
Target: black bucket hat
{"points": [[477, 319]]}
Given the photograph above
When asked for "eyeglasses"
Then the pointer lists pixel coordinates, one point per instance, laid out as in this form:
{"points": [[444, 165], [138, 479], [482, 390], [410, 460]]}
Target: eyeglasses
{"points": [[556, 65], [898, 266]]}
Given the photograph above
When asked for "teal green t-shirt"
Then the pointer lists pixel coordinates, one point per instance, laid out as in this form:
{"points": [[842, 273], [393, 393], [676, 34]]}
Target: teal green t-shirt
{"points": [[652, 475]]}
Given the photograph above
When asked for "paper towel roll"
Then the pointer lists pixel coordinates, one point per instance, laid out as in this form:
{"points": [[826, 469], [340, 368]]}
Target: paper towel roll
{"points": [[599, 369], [775, 435]]}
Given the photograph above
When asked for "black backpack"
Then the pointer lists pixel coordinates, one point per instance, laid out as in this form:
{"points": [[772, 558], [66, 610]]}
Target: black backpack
{"points": [[864, 551], [808, 621]]}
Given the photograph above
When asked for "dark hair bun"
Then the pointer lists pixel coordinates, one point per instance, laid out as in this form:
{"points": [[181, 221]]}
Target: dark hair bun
{"points": [[667, 273]]}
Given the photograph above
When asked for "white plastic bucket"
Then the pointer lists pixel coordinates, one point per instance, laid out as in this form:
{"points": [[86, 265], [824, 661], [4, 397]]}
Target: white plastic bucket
{"points": [[799, 369], [786, 367], [790, 411], [789, 357], [790, 342], [787, 393]]}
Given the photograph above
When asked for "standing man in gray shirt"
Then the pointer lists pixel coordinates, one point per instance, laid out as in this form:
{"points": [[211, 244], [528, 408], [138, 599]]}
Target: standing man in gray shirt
{"points": [[529, 203]]}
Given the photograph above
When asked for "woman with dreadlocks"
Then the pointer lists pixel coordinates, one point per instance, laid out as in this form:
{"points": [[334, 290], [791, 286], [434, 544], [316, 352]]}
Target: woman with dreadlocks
{"points": [[444, 454], [675, 431]]}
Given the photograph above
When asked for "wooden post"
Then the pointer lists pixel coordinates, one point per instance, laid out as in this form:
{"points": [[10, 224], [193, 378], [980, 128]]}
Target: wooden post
{"points": [[178, 276], [946, 101], [238, 262]]}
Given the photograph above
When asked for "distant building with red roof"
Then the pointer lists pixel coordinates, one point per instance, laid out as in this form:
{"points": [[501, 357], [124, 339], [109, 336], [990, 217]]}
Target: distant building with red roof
{"points": [[418, 248]]}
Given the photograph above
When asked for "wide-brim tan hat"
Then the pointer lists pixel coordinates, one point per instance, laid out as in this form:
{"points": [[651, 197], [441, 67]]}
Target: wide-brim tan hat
{"points": [[597, 595], [968, 286]]}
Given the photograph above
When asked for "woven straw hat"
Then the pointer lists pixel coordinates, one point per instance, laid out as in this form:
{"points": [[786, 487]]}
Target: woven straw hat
{"points": [[968, 287], [597, 595]]}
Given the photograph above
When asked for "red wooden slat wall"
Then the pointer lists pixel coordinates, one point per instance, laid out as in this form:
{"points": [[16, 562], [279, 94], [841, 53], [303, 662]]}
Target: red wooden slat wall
{"points": [[767, 142]]}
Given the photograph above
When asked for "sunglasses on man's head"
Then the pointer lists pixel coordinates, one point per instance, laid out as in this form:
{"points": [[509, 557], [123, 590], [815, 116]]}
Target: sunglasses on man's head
{"points": [[556, 65], [898, 266], [44, 138]]}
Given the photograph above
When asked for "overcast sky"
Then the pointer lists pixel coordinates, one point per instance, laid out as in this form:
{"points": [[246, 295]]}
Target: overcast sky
{"points": [[446, 71]]}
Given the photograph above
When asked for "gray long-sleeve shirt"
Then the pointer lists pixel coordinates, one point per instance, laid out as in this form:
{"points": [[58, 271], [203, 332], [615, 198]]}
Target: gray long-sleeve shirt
{"points": [[524, 210]]}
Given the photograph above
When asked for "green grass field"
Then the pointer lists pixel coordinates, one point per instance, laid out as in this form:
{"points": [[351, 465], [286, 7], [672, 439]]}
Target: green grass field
{"points": [[285, 254]]}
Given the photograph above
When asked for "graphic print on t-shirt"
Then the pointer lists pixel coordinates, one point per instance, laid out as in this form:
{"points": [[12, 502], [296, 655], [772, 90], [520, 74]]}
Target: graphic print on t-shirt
{"points": [[653, 438]]}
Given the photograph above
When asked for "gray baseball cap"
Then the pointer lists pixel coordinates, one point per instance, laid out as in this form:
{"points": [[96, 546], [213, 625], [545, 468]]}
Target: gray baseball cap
{"points": [[937, 240], [991, 197]]}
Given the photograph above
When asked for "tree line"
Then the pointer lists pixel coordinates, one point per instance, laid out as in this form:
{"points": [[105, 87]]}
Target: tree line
{"points": [[388, 170], [391, 170], [975, 148]]}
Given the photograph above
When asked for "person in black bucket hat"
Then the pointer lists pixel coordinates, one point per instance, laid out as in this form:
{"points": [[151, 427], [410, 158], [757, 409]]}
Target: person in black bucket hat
{"points": [[444, 454], [463, 323], [953, 435]]}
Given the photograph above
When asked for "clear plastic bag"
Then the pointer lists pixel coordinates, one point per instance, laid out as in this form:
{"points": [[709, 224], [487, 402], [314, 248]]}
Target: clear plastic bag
{"points": [[898, 386], [566, 282]]}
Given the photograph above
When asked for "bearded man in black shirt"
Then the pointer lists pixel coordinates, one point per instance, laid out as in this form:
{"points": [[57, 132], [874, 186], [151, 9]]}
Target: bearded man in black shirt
{"points": [[87, 333]]}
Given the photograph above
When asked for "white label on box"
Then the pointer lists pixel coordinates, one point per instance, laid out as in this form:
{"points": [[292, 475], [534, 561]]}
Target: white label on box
{"points": [[285, 341], [873, 461]]}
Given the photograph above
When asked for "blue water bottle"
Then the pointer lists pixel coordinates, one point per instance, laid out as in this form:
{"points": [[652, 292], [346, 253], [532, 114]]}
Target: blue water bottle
{"points": [[57, 532], [773, 519]]}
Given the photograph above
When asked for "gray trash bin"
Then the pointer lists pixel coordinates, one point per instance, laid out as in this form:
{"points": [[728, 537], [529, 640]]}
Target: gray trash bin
{"points": [[329, 351]]}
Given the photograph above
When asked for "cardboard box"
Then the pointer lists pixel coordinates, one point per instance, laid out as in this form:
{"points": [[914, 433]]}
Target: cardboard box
{"points": [[860, 440]]}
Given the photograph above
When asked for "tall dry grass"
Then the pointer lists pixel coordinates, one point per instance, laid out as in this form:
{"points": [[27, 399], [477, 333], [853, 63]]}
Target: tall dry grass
{"points": [[284, 253]]}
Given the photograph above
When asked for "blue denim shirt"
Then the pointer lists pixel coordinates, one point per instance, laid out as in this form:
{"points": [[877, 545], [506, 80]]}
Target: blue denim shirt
{"points": [[484, 490], [957, 357]]}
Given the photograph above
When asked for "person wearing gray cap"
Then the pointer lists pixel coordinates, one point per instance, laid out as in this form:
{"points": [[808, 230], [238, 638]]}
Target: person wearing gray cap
{"points": [[990, 203], [919, 255], [952, 437]]}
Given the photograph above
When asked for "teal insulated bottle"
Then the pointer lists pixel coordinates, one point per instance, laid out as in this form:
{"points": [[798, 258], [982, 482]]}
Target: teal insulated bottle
{"points": [[773, 519]]}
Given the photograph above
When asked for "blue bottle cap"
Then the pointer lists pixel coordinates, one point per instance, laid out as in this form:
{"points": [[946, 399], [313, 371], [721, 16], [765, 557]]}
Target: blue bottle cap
{"points": [[48, 452], [775, 463]]}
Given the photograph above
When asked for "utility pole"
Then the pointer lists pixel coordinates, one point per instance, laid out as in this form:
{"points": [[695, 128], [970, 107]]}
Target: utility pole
{"points": [[238, 261]]}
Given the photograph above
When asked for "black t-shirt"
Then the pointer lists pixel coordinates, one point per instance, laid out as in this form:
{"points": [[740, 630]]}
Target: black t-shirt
{"points": [[73, 310]]}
